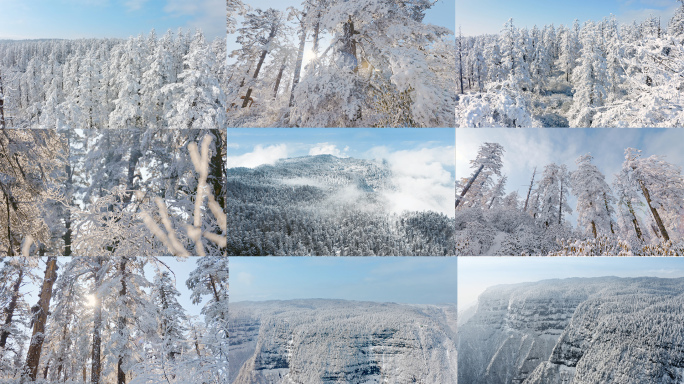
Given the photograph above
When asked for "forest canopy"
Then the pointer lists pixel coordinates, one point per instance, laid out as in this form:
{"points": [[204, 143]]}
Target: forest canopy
{"points": [[591, 74]]}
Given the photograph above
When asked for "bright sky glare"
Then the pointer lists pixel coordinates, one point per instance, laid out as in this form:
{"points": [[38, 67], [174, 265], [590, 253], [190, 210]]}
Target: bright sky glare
{"points": [[475, 274], [181, 269], [489, 16], [412, 280], [73, 19], [529, 148]]}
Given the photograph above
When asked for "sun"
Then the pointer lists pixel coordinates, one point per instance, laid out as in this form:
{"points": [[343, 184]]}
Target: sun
{"points": [[308, 56], [91, 300]]}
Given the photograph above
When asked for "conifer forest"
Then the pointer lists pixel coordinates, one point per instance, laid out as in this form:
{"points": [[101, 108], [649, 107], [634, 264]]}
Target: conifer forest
{"points": [[176, 80], [640, 214], [145, 143], [113, 320], [339, 63], [597, 73]]}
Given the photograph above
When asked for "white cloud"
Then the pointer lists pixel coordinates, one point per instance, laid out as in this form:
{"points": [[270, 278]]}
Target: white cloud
{"points": [[327, 149], [133, 5], [207, 15], [245, 278], [422, 179], [233, 145], [259, 156]]}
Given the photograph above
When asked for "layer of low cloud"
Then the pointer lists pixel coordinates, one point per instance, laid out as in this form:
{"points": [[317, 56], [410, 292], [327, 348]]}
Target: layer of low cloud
{"points": [[259, 156], [422, 179], [328, 149]]}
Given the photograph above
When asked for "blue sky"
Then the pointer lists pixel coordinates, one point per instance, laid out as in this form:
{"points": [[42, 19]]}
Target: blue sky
{"points": [[421, 159], [475, 274], [351, 142], [411, 280], [527, 148], [71, 19], [488, 16]]}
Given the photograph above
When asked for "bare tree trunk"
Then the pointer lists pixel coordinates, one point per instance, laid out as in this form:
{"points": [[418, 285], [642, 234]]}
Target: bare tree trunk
{"points": [[2, 105], [605, 200], [634, 221], [10, 249], [460, 58], [300, 59], [264, 52], [96, 368], [67, 214], [467, 187], [280, 76], [560, 203], [120, 374], [656, 216], [9, 311], [530, 189], [39, 320], [133, 159], [593, 228]]}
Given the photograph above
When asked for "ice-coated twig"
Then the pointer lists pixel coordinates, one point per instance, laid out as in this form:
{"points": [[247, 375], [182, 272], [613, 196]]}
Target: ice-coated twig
{"points": [[200, 160]]}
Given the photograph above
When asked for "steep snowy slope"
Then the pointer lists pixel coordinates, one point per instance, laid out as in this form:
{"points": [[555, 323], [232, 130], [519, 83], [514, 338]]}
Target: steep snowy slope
{"points": [[600, 330], [335, 341]]}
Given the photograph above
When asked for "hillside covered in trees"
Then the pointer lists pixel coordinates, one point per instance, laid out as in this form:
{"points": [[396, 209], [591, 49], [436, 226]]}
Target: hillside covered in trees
{"points": [[334, 63], [642, 213], [176, 80], [595, 74], [333, 341], [110, 192], [577, 330], [112, 320], [327, 206]]}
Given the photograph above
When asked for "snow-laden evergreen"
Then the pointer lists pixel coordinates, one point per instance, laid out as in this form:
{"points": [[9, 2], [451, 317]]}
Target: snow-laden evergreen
{"points": [[115, 320], [579, 330], [595, 74], [325, 206], [641, 214], [110, 192], [383, 66], [334, 341], [177, 80]]}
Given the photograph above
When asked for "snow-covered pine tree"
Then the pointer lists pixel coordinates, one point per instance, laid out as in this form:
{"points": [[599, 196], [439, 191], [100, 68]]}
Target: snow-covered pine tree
{"points": [[553, 190], [594, 198], [662, 186], [210, 278], [487, 163]]}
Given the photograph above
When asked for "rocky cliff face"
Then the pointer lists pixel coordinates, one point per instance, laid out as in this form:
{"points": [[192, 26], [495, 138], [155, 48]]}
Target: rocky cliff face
{"points": [[604, 330], [332, 341]]}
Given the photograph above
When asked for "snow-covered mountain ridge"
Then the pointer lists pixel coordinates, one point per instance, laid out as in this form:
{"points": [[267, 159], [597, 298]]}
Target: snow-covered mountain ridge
{"points": [[324, 205], [598, 330], [333, 341]]}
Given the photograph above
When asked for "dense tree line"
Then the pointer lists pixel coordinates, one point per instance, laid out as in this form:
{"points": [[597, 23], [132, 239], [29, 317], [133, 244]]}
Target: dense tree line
{"points": [[598, 74], [336, 208], [171, 81], [641, 213]]}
